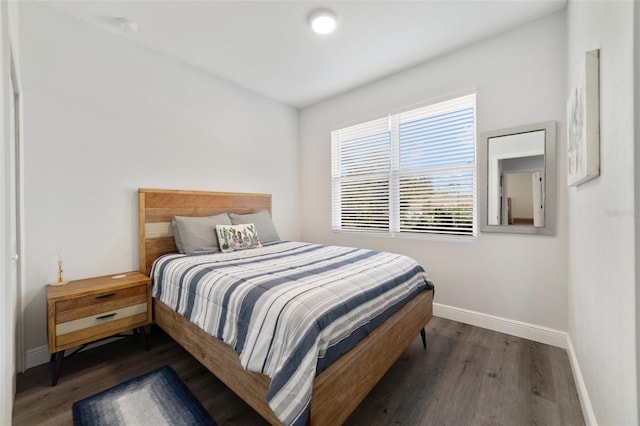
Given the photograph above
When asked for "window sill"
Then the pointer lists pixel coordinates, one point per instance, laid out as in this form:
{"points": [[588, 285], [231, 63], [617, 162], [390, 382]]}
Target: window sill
{"points": [[410, 236]]}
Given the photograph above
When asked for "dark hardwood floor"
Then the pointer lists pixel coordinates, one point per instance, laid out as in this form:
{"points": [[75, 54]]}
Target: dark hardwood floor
{"points": [[467, 376]]}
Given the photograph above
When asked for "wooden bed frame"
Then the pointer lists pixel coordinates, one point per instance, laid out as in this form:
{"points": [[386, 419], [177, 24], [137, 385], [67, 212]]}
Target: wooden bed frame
{"points": [[339, 389]]}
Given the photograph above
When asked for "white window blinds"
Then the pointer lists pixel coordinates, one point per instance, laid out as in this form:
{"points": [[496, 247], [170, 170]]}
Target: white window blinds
{"points": [[412, 172], [361, 169]]}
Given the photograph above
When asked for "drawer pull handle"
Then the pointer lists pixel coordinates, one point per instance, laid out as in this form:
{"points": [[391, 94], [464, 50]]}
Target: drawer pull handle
{"points": [[106, 316], [104, 296]]}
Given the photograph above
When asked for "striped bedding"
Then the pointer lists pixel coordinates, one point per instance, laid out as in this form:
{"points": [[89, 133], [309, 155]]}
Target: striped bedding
{"points": [[289, 309]]}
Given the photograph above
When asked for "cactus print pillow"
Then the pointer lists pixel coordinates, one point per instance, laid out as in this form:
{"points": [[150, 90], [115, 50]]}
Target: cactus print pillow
{"points": [[237, 237]]}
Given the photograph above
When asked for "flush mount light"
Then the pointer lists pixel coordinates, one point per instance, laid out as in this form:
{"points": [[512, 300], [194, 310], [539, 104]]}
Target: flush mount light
{"points": [[128, 26], [323, 21]]}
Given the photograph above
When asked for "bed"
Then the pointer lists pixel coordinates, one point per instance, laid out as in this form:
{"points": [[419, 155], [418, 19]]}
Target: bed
{"points": [[339, 388]]}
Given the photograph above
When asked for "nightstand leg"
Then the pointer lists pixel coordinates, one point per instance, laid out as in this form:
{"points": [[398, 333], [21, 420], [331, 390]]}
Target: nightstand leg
{"points": [[59, 357], [423, 334], [145, 341]]}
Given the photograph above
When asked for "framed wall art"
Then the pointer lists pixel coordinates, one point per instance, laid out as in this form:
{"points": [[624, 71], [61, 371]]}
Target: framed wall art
{"points": [[583, 123]]}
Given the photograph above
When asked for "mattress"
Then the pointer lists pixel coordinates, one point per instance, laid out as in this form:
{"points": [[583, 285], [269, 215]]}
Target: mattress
{"points": [[289, 309]]}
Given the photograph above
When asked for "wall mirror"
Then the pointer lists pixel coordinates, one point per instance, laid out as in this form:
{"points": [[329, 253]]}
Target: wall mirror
{"points": [[517, 179]]}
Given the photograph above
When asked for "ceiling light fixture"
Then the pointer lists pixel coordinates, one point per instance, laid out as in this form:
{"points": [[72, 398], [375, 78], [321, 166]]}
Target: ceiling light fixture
{"points": [[128, 26], [323, 21]]}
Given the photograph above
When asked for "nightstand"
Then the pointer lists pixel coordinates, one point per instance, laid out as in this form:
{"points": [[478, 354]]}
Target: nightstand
{"points": [[84, 311]]}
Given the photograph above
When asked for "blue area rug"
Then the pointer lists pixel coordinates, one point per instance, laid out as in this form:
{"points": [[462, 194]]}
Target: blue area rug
{"points": [[156, 398]]}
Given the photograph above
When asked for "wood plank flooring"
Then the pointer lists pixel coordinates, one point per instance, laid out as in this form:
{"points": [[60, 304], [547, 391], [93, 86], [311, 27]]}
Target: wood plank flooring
{"points": [[467, 376]]}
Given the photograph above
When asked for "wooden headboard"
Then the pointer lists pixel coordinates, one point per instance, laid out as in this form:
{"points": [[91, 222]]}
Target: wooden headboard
{"points": [[156, 208]]}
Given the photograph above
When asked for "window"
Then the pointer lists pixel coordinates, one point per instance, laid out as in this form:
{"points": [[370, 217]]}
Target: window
{"points": [[412, 172]]}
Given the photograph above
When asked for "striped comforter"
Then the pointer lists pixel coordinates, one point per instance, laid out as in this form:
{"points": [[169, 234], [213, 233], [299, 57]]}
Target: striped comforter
{"points": [[289, 309]]}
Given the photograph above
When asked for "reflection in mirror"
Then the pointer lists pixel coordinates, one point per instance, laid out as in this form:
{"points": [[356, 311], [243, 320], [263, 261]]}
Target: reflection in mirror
{"points": [[515, 162], [516, 174]]}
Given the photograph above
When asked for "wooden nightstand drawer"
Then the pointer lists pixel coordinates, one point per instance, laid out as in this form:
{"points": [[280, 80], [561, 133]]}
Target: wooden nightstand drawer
{"points": [[81, 307], [77, 331]]}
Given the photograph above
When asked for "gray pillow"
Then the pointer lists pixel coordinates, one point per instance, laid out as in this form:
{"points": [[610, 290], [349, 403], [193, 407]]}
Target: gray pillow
{"points": [[264, 225], [194, 235]]}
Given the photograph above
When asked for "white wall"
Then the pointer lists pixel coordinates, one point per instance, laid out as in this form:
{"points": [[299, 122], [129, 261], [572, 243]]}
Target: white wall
{"points": [[104, 117], [602, 268], [519, 79]]}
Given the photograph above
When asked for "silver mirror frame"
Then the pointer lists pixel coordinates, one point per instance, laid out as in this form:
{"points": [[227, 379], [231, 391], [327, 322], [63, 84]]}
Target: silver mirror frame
{"points": [[549, 227]]}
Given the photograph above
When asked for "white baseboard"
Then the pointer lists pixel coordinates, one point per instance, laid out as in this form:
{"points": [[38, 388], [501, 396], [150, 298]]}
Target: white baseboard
{"points": [[585, 402], [525, 330], [37, 356]]}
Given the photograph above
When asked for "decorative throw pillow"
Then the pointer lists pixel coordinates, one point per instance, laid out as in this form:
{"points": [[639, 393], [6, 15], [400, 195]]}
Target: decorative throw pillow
{"points": [[263, 222], [237, 237]]}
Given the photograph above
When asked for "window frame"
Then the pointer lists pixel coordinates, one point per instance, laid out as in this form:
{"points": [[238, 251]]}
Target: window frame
{"points": [[393, 229]]}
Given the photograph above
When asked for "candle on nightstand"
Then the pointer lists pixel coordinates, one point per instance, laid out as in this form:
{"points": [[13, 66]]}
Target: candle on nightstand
{"points": [[60, 279]]}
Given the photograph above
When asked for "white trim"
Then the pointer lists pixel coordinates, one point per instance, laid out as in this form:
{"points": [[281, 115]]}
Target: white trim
{"points": [[537, 333], [37, 356], [583, 394], [21, 231], [16, 80]]}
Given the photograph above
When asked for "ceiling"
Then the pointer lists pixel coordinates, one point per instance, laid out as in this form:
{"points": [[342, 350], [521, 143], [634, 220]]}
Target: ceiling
{"points": [[267, 46]]}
